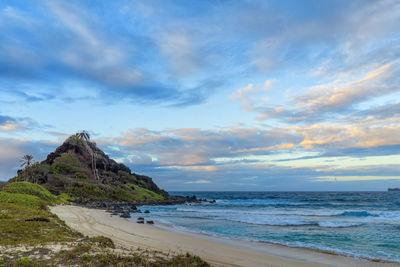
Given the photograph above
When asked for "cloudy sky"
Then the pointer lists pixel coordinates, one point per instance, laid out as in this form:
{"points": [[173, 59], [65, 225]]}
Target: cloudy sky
{"points": [[209, 95]]}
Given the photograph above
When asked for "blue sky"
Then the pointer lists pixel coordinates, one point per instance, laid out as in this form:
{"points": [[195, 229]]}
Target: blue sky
{"points": [[209, 95]]}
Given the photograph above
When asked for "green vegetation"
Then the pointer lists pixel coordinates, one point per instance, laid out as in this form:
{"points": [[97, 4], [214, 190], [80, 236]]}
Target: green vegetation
{"points": [[30, 189], [28, 231], [143, 194], [77, 171], [87, 254], [21, 200], [32, 225], [24, 218], [83, 172], [86, 191]]}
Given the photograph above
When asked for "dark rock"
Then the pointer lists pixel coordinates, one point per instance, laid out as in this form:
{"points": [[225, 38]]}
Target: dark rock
{"points": [[37, 219], [150, 222], [146, 211], [125, 215], [140, 221], [213, 201]]}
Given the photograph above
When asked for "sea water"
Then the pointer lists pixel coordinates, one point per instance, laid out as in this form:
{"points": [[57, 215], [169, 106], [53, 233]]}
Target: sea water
{"points": [[359, 224]]}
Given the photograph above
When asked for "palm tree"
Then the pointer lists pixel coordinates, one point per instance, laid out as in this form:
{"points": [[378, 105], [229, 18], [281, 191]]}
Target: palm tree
{"points": [[83, 135], [26, 161]]}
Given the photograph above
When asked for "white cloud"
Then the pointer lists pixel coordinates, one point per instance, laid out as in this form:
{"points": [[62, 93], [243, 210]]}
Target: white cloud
{"points": [[252, 96], [198, 182]]}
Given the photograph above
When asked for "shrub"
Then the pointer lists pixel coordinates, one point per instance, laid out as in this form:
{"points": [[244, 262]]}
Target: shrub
{"points": [[86, 191], [81, 175], [64, 168], [102, 241]]}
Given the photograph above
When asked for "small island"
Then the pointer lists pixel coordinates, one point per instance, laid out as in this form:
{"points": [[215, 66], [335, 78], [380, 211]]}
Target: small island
{"points": [[393, 189]]}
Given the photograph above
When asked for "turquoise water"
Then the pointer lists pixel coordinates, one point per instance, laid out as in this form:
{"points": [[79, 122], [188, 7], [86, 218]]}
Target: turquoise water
{"points": [[359, 224]]}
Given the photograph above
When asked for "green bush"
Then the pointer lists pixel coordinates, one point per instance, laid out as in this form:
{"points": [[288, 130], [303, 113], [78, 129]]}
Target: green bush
{"points": [[81, 175], [64, 168], [86, 191], [142, 194]]}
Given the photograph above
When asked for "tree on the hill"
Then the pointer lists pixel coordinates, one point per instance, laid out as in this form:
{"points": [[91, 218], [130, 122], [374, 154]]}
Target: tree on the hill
{"points": [[26, 161], [83, 135]]}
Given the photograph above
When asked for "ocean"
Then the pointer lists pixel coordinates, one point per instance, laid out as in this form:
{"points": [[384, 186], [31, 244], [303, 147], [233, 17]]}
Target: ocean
{"points": [[358, 224]]}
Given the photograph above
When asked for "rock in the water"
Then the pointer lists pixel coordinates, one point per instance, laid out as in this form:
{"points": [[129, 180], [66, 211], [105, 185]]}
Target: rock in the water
{"points": [[150, 222], [146, 211]]}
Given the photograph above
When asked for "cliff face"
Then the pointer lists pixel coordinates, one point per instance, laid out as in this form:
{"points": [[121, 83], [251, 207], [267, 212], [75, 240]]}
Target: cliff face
{"points": [[79, 168]]}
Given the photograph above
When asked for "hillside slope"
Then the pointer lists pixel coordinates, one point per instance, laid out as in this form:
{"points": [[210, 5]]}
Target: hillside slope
{"points": [[84, 172]]}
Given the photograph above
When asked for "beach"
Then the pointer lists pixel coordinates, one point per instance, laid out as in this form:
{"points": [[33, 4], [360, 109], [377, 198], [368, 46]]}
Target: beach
{"points": [[217, 251]]}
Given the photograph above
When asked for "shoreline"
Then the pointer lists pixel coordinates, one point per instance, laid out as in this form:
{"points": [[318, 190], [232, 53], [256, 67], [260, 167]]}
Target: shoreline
{"points": [[231, 241], [217, 251]]}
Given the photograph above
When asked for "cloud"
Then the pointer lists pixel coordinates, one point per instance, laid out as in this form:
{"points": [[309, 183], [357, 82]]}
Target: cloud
{"points": [[178, 48], [302, 36], [12, 150], [11, 124], [187, 147], [356, 178], [339, 95], [76, 46], [333, 99], [250, 95], [198, 182]]}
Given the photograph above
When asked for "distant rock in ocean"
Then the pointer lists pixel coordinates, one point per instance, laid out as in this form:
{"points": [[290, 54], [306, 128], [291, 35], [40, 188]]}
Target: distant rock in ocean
{"points": [[394, 189]]}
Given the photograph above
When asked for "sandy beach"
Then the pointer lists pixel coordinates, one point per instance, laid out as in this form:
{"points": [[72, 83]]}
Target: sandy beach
{"points": [[217, 251]]}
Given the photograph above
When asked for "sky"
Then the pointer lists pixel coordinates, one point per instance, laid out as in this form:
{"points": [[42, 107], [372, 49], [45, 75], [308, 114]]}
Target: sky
{"points": [[209, 95]]}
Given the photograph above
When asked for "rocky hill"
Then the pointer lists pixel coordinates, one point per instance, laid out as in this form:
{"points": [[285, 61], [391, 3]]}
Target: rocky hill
{"points": [[81, 170]]}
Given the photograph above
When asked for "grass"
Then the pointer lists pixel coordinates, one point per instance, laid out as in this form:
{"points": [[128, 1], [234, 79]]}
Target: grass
{"points": [[143, 194], [87, 254], [27, 228], [86, 191], [21, 200], [31, 189], [18, 226]]}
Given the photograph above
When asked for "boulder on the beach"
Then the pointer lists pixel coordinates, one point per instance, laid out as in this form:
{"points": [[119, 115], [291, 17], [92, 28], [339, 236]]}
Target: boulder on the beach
{"points": [[150, 222], [140, 218], [140, 221], [125, 215]]}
